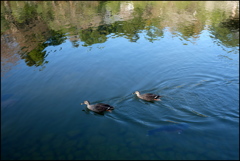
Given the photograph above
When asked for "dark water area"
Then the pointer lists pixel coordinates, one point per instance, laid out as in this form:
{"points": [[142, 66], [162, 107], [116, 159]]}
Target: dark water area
{"points": [[55, 55], [176, 128]]}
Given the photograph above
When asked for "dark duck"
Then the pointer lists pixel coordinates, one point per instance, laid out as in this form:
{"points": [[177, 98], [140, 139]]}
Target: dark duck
{"points": [[148, 96], [99, 108]]}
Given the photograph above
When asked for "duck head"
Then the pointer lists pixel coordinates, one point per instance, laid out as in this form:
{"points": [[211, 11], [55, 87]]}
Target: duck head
{"points": [[137, 93], [85, 102]]}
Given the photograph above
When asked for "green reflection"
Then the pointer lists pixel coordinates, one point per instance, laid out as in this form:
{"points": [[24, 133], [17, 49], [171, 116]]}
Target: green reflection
{"points": [[37, 56], [57, 38], [33, 23], [227, 32], [90, 36]]}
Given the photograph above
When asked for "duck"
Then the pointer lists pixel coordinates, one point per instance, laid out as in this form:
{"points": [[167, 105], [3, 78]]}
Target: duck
{"points": [[99, 107], [148, 96]]}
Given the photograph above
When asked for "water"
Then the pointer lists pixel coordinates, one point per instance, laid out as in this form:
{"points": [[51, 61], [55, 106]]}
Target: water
{"points": [[103, 52]]}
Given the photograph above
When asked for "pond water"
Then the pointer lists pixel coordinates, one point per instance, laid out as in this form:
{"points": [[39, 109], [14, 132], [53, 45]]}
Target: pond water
{"points": [[55, 55]]}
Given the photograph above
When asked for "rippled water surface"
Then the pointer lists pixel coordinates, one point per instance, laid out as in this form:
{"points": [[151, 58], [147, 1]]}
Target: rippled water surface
{"points": [[55, 55]]}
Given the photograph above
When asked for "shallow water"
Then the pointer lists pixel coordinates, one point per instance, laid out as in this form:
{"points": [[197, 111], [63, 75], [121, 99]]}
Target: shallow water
{"points": [[54, 58]]}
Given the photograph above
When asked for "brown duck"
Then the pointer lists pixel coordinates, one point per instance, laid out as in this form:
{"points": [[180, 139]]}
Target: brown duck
{"points": [[148, 96], [100, 107]]}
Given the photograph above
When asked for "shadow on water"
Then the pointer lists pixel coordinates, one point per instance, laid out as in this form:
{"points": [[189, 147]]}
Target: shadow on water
{"points": [[87, 111]]}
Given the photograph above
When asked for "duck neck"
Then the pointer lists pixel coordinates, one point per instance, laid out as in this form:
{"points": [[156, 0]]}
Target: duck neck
{"points": [[138, 94]]}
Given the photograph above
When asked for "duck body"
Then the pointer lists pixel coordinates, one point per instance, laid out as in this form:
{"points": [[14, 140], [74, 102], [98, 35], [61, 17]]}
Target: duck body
{"points": [[148, 96], [100, 107]]}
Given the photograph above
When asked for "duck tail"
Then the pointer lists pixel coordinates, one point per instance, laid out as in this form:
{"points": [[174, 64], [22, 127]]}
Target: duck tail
{"points": [[110, 108]]}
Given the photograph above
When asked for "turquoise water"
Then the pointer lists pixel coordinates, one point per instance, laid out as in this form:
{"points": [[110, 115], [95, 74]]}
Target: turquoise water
{"points": [[198, 79]]}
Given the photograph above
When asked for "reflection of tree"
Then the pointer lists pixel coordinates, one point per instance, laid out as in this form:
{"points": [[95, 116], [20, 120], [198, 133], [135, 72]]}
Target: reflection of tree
{"points": [[90, 36], [135, 37], [187, 31], [129, 29], [75, 44], [57, 13], [232, 24], [37, 56], [4, 24], [57, 38], [227, 32], [24, 16], [153, 33], [28, 13], [9, 56], [33, 23]]}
